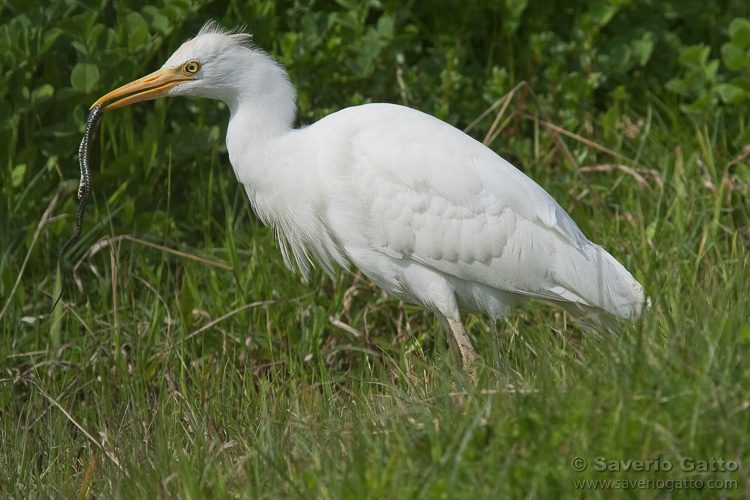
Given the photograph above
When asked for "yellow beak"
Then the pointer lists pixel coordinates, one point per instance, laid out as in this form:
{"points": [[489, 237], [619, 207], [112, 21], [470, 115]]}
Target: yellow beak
{"points": [[157, 84]]}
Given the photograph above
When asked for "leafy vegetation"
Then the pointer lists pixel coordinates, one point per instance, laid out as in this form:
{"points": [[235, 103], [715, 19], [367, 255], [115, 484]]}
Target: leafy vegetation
{"points": [[187, 361]]}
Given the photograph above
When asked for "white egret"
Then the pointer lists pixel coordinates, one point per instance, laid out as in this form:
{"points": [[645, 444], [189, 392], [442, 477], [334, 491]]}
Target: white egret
{"points": [[427, 213]]}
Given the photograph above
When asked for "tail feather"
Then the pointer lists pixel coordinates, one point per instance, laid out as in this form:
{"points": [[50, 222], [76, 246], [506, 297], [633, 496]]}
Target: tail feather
{"points": [[596, 283]]}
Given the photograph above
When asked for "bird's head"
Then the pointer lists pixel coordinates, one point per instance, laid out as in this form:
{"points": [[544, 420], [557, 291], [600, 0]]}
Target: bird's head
{"points": [[215, 64]]}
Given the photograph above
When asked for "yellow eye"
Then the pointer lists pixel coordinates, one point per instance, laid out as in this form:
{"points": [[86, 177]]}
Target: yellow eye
{"points": [[192, 67]]}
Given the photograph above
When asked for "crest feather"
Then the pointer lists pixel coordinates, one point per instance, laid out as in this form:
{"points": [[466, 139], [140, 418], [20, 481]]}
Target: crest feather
{"points": [[211, 27]]}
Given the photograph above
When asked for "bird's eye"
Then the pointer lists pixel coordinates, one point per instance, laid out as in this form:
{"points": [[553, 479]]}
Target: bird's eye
{"points": [[192, 67]]}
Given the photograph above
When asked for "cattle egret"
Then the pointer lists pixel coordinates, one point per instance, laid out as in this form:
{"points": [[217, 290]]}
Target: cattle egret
{"points": [[427, 213]]}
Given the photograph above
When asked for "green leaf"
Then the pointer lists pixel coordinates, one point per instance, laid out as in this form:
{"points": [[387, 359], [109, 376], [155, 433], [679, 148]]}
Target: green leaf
{"points": [[734, 56], [93, 34], [42, 93], [703, 102], [744, 334], [386, 26], [515, 9], [739, 31], [643, 48], [160, 23], [48, 39], [17, 174], [348, 4], [730, 93], [84, 77], [695, 56], [138, 32]]}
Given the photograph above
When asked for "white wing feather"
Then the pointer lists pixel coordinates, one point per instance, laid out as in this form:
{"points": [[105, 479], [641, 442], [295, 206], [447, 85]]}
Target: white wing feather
{"points": [[404, 195], [430, 193]]}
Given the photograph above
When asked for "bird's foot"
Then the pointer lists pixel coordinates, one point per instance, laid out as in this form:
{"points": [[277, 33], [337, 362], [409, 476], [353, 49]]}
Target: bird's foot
{"points": [[471, 363]]}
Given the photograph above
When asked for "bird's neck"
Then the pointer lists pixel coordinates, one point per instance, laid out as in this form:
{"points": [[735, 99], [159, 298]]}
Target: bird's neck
{"points": [[262, 110], [274, 171], [262, 115]]}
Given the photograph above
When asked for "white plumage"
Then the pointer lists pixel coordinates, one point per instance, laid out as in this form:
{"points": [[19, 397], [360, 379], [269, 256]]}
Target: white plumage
{"points": [[426, 212]]}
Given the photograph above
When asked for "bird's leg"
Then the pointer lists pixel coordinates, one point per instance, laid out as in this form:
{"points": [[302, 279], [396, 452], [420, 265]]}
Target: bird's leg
{"points": [[460, 346], [452, 346]]}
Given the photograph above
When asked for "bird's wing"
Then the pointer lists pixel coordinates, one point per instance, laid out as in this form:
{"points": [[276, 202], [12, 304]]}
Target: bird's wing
{"points": [[430, 193]]}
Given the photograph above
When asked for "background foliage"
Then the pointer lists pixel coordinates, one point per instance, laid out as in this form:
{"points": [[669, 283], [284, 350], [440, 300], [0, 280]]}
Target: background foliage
{"points": [[276, 400]]}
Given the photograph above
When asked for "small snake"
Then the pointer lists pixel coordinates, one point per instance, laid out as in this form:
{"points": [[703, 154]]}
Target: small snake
{"points": [[84, 189]]}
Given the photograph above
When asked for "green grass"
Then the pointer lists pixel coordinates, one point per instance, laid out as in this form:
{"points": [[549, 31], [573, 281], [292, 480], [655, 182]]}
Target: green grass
{"points": [[135, 387], [275, 401]]}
